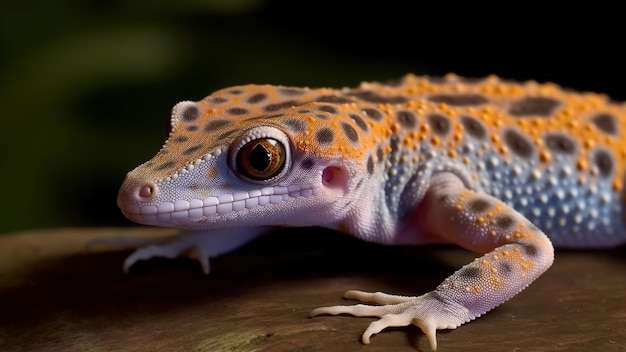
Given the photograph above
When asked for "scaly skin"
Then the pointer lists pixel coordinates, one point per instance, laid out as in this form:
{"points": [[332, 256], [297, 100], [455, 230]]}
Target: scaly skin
{"points": [[501, 168]]}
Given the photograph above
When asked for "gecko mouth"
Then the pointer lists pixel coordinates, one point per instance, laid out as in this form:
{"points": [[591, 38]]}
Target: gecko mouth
{"points": [[210, 206]]}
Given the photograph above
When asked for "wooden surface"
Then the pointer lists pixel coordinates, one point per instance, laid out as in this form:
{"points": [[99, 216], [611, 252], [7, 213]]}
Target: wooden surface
{"points": [[57, 297]]}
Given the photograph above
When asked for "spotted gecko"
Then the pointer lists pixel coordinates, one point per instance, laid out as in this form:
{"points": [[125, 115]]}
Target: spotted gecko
{"points": [[503, 169]]}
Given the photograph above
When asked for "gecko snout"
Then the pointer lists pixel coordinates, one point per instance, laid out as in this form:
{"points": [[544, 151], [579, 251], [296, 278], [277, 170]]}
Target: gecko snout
{"points": [[133, 193]]}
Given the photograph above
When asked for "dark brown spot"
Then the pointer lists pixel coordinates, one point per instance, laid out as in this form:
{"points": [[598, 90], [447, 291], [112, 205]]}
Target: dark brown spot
{"points": [[192, 128], [291, 92], [304, 111], [459, 99], [373, 114], [560, 143], [373, 97], [370, 165], [165, 165], [217, 100], [473, 127], [350, 132], [191, 113], [216, 124], [235, 91], [278, 106], [333, 99], [237, 111], [307, 164], [327, 108], [321, 116], [406, 119], [504, 222], [470, 273], [324, 136], [504, 268], [605, 123], [181, 139], [534, 106], [380, 154], [440, 124], [359, 121], [256, 98], [604, 161], [191, 150], [478, 205], [295, 125], [518, 143], [530, 249]]}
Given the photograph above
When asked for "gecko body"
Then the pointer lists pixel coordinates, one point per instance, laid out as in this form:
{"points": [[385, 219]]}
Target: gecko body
{"points": [[504, 169]]}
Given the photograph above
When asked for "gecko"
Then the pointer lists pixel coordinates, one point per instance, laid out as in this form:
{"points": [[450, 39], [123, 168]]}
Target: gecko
{"points": [[508, 170]]}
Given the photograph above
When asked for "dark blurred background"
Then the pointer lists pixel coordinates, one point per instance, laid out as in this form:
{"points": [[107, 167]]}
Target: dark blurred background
{"points": [[86, 86]]}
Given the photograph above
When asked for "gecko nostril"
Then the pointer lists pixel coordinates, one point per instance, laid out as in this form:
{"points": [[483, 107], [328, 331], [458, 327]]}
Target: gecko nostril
{"points": [[147, 191]]}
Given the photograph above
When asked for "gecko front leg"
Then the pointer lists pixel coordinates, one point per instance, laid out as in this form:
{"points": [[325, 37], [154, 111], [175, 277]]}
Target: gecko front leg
{"points": [[516, 253]]}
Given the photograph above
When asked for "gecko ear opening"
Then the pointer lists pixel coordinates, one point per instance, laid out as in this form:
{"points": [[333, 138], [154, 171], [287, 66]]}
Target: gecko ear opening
{"points": [[335, 177]]}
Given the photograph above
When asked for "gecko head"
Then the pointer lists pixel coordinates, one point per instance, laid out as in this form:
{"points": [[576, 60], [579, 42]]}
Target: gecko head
{"points": [[238, 166]]}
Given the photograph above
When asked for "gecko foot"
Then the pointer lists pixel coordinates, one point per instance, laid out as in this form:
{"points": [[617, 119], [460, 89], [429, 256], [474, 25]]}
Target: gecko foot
{"points": [[199, 246], [183, 246], [429, 312]]}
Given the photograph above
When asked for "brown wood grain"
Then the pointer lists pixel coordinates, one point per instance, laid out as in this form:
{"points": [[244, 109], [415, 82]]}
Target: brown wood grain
{"points": [[57, 297]]}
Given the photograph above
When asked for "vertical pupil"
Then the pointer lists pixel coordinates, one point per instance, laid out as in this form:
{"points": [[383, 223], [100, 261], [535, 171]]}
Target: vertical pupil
{"points": [[260, 158]]}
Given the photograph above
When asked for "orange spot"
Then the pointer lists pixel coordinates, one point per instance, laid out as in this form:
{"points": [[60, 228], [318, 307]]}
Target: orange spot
{"points": [[582, 165], [617, 185], [474, 289], [545, 156], [452, 153], [435, 141]]}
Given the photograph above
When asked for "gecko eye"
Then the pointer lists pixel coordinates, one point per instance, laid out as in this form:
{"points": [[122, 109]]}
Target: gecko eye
{"points": [[261, 159]]}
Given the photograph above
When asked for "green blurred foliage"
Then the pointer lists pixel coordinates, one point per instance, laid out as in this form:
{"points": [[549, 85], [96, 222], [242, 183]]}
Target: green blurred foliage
{"points": [[86, 86]]}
